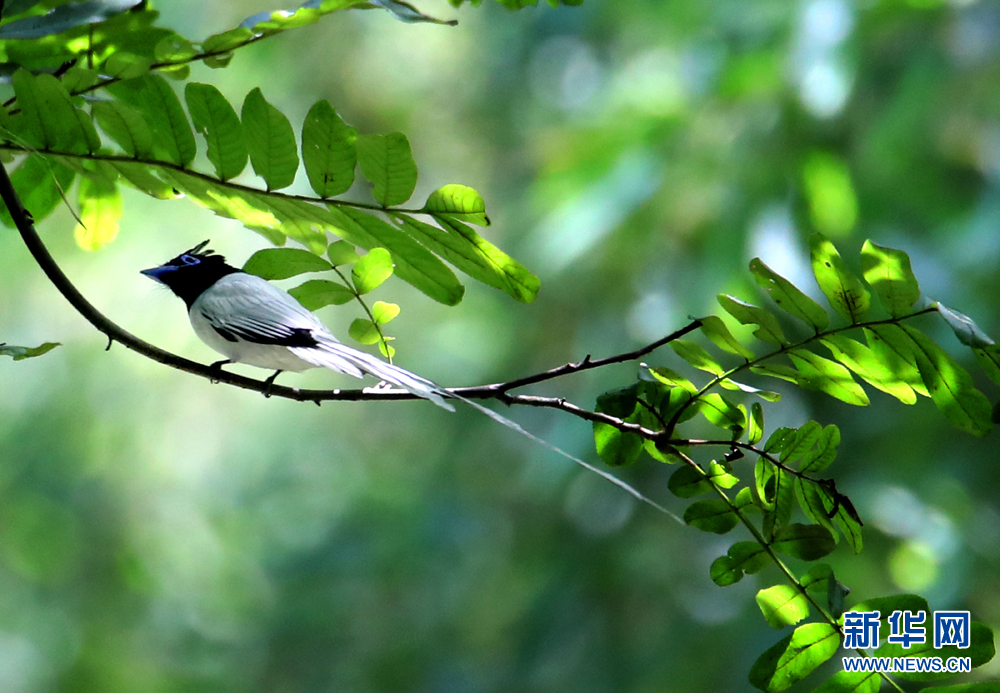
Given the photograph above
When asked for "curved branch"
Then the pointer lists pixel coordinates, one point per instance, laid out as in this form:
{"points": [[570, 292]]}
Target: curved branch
{"points": [[114, 333]]}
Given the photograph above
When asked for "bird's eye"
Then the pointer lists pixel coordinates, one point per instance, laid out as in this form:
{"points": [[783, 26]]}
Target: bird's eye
{"points": [[189, 260]]}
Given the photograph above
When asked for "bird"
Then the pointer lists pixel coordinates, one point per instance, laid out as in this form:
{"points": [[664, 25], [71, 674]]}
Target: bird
{"points": [[251, 321]]}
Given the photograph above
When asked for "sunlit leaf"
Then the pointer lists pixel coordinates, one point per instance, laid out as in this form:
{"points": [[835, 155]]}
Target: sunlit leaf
{"points": [[384, 312], [755, 424], [747, 314], [795, 657], [364, 331], [894, 350], [19, 353], [696, 356], [888, 272], [846, 293], [824, 375], [788, 297], [371, 270], [782, 605], [461, 202], [328, 150], [865, 363], [950, 386], [270, 141], [715, 329], [721, 412], [100, 211]]}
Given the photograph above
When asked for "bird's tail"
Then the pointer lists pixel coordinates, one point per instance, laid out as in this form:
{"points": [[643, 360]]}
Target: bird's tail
{"points": [[342, 358]]}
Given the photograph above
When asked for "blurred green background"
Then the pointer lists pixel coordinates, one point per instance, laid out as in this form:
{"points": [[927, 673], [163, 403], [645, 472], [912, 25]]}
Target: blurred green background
{"points": [[159, 533]]}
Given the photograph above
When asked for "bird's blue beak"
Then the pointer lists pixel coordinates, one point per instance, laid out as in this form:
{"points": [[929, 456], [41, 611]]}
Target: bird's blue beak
{"points": [[156, 273]]}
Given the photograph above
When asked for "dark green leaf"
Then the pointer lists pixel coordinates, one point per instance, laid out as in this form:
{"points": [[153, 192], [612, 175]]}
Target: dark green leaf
{"points": [[216, 119], [227, 40], [801, 441], [48, 118], [808, 542], [19, 353], [780, 492], [270, 141], [387, 162], [755, 424], [989, 359], [817, 504], [328, 150], [747, 314], [744, 557], [688, 482], [888, 272], [155, 100], [64, 17], [782, 605], [282, 263], [824, 375], [795, 657], [124, 65], [846, 293], [778, 440], [850, 526], [460, 202], [851, 682], [125, 126], [371, 270], [950, 386], [788, 297], [40, 182], [617, 448], [967, 331], [620, 402], [711, 516], [317, 293], [342, 253], [715, 329]]}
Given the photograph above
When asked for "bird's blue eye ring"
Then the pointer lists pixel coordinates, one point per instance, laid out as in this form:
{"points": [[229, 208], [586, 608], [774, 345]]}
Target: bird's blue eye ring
{"points": [[189, 260]]}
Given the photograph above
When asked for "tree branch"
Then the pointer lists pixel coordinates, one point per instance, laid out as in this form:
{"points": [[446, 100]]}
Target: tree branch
{"points": [[499, 391]]}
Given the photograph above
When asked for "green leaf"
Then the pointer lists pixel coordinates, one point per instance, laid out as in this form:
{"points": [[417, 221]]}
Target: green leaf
{"points": [[40, 182], [782, 605], [795, 657], [364, 331], [779, 440], [755, 424], [216, 119], [617, 448], [711, 516], [328, 150], [317, 293], [721, 412], [824, 375], [747, 314], [141, 177], [282, 263], [384, 312], [270, 141], [989, 359], [777, 492], [819, 458], [850, 526], [981, 650], [78, 78], [670, 378], [459, 202], [846, 293], [950, 386], [808, 542], [414, 263], [125, 126], [371, 270], [892, 347], [471, 253], [851, 682], [696, 356], [776, 370], [155, 100], [817, 504], [800, 442], [387, 162], [744, 557], [19, 353], [124, 65], [888, 272], [100, 210], [867, 364], [48, 118], [688, 482], [833, 204], [788, 297], [227, 40], [967, 331], [715, 329], [620, 402], [342, 253], [174, 49]]}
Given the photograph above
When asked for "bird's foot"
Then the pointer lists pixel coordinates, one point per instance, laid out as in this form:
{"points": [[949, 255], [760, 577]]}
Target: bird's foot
{"points": [[269, 383], [216, 368]]}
